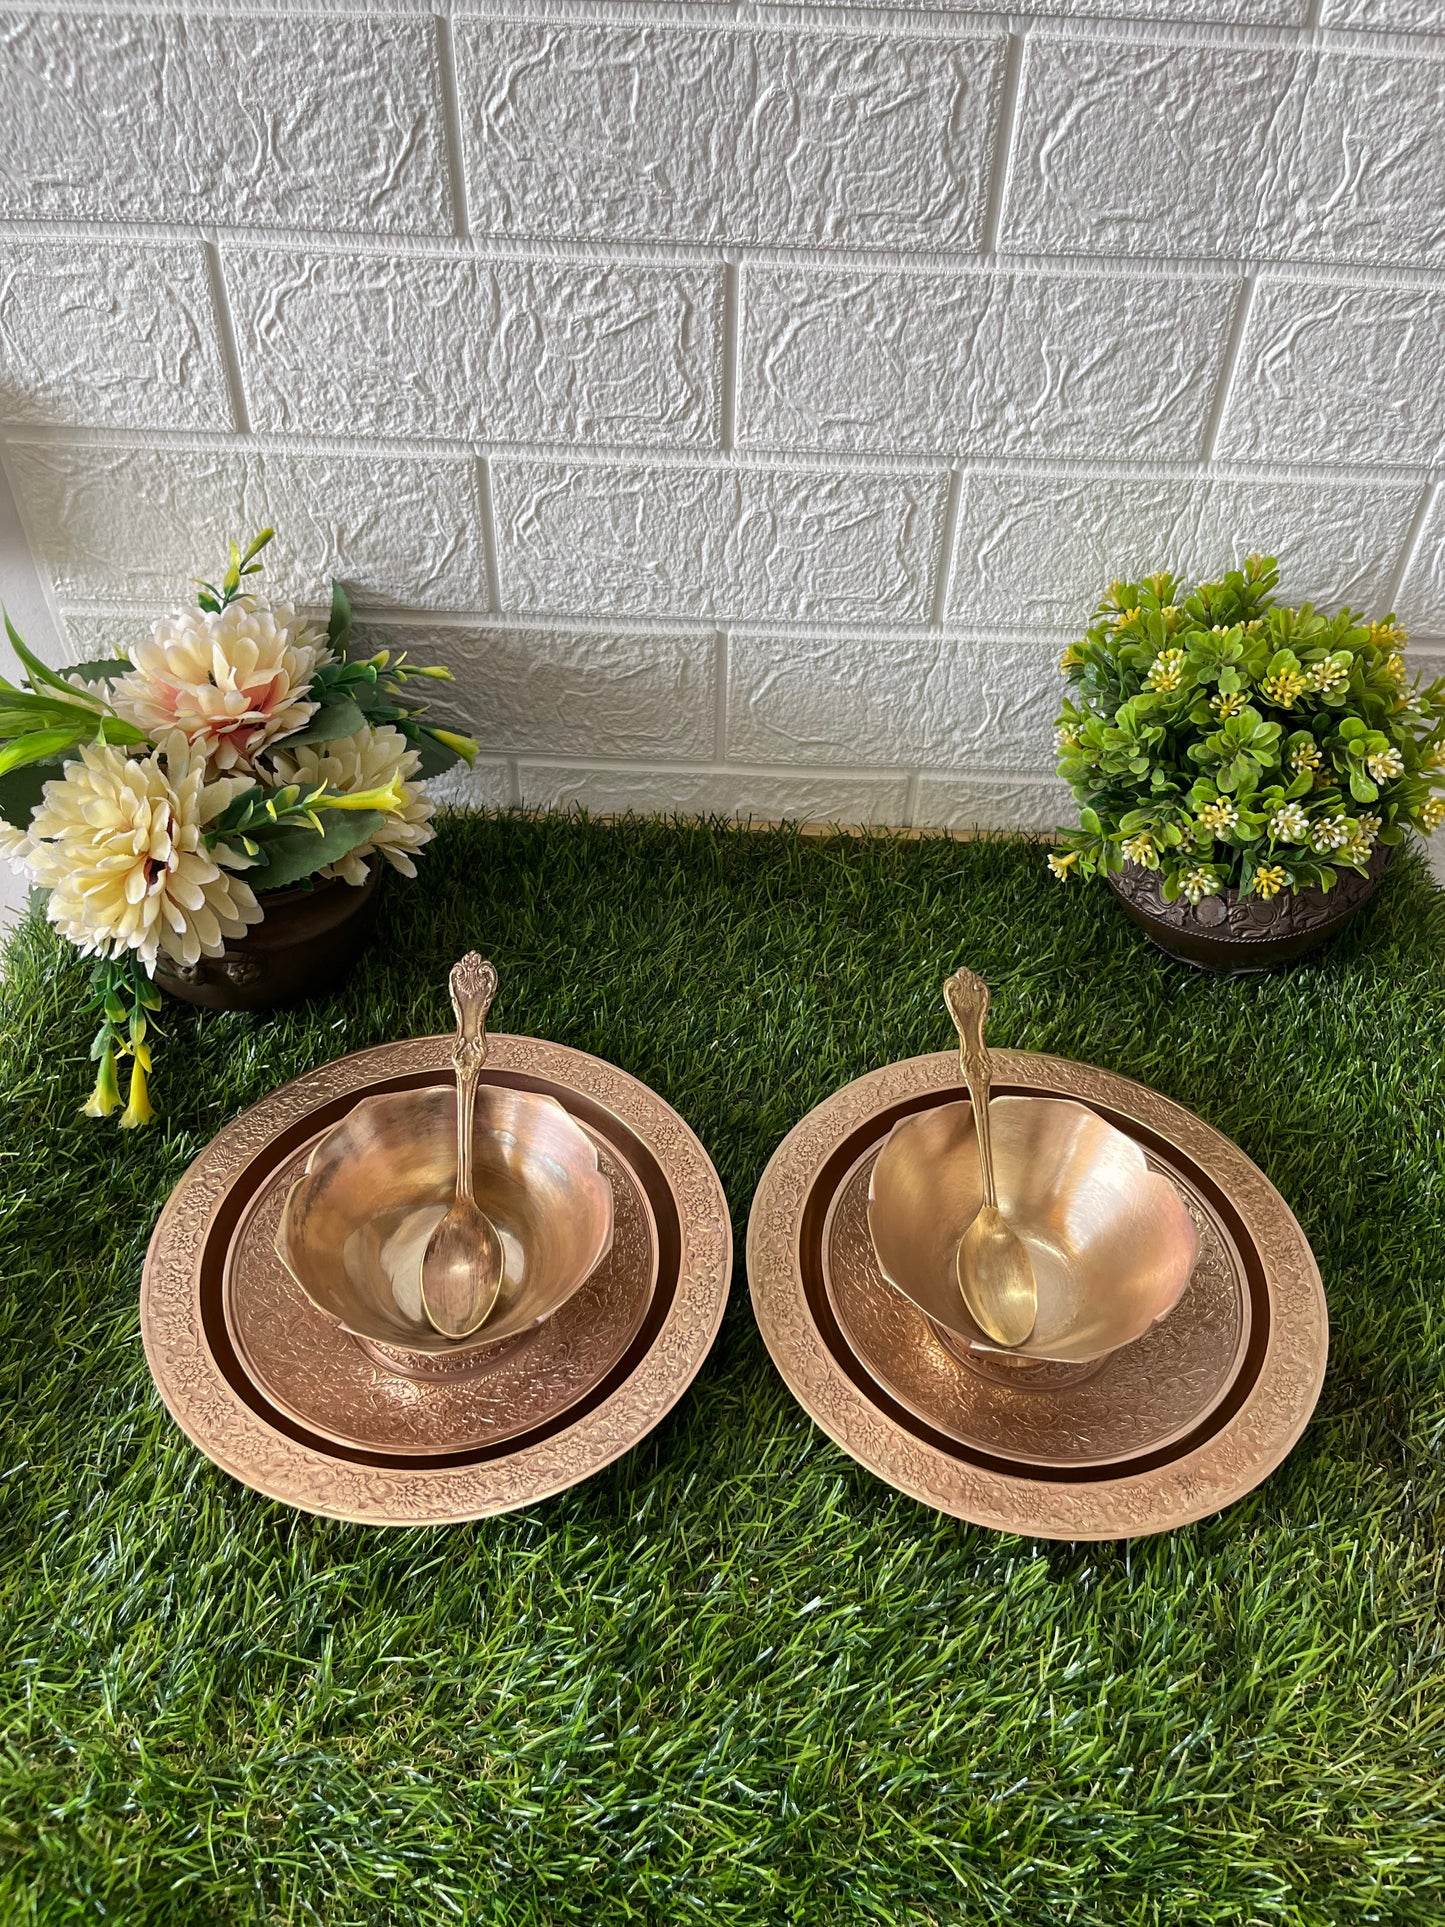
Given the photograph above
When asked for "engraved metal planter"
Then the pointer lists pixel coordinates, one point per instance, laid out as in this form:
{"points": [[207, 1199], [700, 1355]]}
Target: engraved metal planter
{"points": [[1222, 934], [305, 944]]}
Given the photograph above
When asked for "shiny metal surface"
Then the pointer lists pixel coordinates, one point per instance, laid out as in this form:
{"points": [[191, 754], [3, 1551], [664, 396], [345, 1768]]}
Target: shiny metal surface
{"points": [[1111, 1243], [336, 1386], [356, 1225], [1139, 1399], [461, 1269], [995, 1271]]}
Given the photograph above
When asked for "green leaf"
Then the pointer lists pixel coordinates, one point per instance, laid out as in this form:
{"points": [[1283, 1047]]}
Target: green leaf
{"points": [[99, 671], [340, 717], [435, 756], [338, 629], [36, 669], [256, 547], [22, 789], [1361, 788], [293, 852], [38, 746]]}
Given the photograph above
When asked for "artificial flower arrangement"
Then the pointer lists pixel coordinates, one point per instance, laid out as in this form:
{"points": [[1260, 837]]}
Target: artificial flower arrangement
{"points": [[1234, 744], [157, 797]]}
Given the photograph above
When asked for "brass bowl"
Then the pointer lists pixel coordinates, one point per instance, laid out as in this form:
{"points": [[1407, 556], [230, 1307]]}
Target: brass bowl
{"points": [[1111, 1241], [357, 1222]]}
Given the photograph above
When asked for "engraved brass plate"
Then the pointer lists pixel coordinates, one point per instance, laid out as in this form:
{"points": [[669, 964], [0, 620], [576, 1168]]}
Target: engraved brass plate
{"points": [[1245, 1364], [214, 1399]]}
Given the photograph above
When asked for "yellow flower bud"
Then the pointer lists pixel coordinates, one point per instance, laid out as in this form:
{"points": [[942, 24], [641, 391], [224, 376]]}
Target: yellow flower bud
{"points": [[392, 799], [138, 1108], [105, 1098], [462, 745]]}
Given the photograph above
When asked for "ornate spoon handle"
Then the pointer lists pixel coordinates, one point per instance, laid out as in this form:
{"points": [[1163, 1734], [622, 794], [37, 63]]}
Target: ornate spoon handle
{"points": [[473, 985], [967, 997]]}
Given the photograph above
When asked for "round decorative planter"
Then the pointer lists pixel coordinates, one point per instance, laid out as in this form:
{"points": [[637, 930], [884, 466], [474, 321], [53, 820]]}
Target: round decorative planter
{"points": [[1221, 933], [306, 943]]}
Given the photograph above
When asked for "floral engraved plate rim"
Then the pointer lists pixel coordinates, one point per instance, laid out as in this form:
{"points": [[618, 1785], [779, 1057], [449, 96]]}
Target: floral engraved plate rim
{"points": [[283, 1342], [263, 1450], [1042, 1425], [1288, 1345]]}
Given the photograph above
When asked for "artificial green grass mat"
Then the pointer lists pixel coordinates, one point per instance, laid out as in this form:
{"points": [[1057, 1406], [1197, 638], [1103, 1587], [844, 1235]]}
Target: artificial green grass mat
{"points": [[734, 1678]]}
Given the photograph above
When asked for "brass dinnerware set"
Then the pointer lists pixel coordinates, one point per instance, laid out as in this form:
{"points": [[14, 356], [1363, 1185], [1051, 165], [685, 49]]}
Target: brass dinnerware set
{"points": [[452, 1276]]}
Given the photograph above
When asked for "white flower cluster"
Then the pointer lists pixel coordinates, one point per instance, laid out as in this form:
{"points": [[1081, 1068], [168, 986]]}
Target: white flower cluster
{"points": [[1289, 825], [1324, 678], [1139, 849], [1330, 833], [1385, 765], [1199, 883], [1218, 818], [1166, 671]]}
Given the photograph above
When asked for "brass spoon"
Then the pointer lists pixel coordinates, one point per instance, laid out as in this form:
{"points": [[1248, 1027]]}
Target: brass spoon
{"points": [[995, 1272], [461, 1271]]}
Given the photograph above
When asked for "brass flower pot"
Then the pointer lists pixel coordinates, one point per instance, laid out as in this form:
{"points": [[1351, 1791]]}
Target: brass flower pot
{"points": [[1224, 934], [306, 942]]}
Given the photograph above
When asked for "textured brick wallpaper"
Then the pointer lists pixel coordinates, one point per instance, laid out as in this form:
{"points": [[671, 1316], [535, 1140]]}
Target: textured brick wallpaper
{"points": [[747, 401]]}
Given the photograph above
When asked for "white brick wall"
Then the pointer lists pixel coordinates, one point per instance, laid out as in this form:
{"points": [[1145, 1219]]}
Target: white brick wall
{"points": [[747, 403]]}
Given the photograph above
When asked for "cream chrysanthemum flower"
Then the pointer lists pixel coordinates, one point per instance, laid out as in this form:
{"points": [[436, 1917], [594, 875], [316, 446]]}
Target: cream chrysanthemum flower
{"points": [[232, 681], [118, 843], [366, 761]]}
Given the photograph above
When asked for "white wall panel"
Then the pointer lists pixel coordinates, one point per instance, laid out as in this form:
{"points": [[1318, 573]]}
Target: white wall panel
{"points": [[727, 134], [1274, 153], [115, 335], [300, 121], [548, 351], [747, 408], [974, 363], [717, 542], [136, 524]]}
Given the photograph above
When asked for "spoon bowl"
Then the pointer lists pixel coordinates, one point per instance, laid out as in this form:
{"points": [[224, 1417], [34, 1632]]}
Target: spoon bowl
{"points": [[996, 1277]]}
